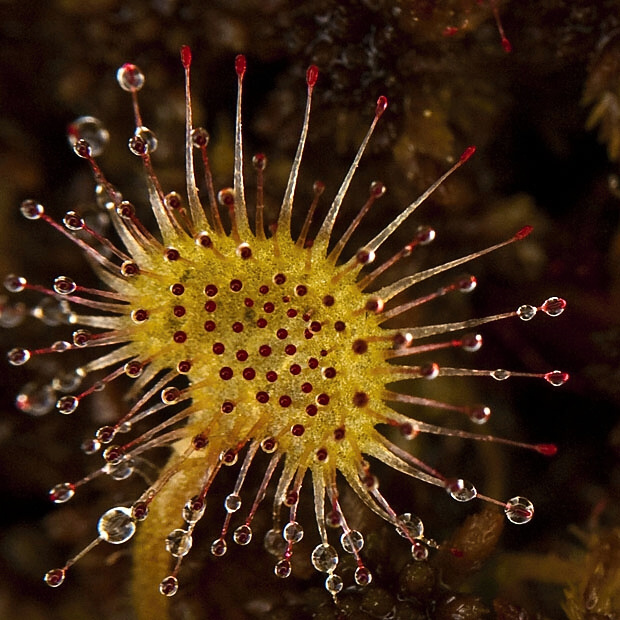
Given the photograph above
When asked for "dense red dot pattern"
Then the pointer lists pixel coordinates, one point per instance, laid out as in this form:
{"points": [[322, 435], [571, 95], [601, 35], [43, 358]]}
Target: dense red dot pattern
{"points": [[273, 342]]}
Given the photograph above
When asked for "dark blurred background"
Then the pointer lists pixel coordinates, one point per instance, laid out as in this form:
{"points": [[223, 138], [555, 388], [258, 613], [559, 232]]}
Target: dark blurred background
{"points": [[546, 121]]}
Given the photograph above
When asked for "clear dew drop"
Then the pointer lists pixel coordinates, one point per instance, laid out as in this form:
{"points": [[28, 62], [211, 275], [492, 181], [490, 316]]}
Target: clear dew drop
{"points": [[148, 138], [273, 542], [461, 490], [228, 458], [232, 503], [556, 378], [35, 399], [72, 221], [466, 284], [292, 532], [333, 520], [138, 148], [193, 510], [554, 306], [429, 371], [363, 577], [133, 369], [125, 427], [365, 256], [122, 470], [173, 201], [31, 209], [333, 584], [219, 547], [64, 285], [67, 404], [200, 137], [169, 586], [140, 510], [425, 235], [105, 434], [170, 395], [242, 535], [269, 445], [243, 250], [15, 284], [55, 577], [81, 337], [82, 149], [472, 342], [129, 77], [282, 569], [324, 558], [410, 526], [90, 446], [113, 455], [419, 551], [352, 541], [62, 492], [479, 414], [178, 543], [18, 356], [90, 129], [500, 374], [519, 510], [526, 312], [116, 526], [60, 346]]}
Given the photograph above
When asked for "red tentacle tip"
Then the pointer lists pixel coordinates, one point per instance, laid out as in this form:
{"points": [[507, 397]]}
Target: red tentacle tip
{"points": [[506, 45], [381, 106], [523, 233], [186, 56], [547, 449], [467, 153], [240, 65], [450, 31], [312, 75]]}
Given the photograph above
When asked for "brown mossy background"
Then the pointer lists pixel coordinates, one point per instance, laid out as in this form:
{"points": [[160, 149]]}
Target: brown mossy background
{"points": [[537, 163]]}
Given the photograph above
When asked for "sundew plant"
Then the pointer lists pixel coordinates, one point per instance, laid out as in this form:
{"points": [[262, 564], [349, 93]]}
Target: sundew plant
{"points": [[242, 338]]}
